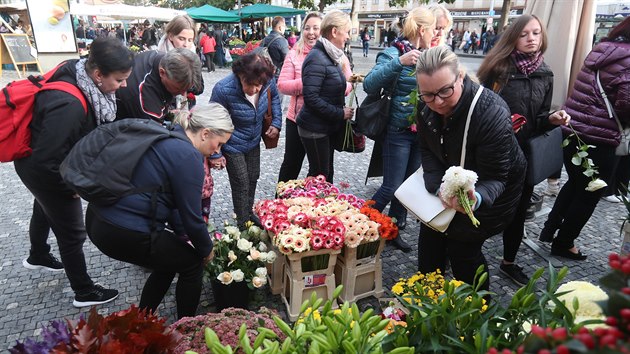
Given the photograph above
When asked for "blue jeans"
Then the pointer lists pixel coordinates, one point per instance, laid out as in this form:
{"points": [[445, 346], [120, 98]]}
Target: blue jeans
{"points": [[366, 47], [401, 158]]}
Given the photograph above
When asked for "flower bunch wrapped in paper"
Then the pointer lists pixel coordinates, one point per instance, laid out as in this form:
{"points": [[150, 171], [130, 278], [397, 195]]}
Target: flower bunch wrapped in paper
{"points": [[240, 256]]}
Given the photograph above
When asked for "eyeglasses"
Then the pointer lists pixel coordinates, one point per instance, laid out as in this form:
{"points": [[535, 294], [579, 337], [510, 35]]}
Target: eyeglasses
{"points": [[444, 93]]}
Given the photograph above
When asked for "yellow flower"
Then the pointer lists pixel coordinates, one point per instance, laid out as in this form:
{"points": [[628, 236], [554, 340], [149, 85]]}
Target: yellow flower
{"points": [[398, 289]]}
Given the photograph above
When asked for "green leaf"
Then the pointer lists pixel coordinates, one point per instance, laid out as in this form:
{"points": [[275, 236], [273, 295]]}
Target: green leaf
{"points": [[576, 160], [565, 142], [582, 154]]}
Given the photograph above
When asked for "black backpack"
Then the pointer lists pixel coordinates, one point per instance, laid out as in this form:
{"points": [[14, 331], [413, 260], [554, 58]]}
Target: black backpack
{"points": [[100, 166]]}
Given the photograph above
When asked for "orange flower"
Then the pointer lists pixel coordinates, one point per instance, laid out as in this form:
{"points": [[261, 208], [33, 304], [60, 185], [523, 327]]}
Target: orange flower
{"points": [[388, 230]]}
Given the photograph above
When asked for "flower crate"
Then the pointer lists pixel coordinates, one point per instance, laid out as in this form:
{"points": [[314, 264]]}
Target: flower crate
{"points": [[306, 273], [360, 271]]}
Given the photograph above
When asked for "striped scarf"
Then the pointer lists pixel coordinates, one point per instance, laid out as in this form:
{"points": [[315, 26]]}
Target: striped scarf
{"points": [[527, 63]]}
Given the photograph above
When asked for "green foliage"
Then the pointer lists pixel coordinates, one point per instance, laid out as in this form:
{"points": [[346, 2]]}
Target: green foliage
{"points": [[459, 321], [403, 3], [343, 330]]}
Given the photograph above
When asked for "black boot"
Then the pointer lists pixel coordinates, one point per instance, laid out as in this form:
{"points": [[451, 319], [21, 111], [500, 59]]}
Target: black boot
{"points": [[399, 243]]}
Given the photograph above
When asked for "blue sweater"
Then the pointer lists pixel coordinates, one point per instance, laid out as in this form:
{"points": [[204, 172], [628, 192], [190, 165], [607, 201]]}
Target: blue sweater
{"points": [[174, 163], [382, 76], [246, 118]]}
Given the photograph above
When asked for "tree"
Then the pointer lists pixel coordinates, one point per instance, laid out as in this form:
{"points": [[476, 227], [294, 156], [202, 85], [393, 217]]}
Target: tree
{"points": [[310, 4], [505, 13]]}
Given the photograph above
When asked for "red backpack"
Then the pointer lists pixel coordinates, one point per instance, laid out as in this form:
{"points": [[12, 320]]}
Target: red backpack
{"points": [[16, 112]]}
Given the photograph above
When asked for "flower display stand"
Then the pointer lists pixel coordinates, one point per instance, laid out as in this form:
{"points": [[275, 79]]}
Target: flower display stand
{"points": [[300, 281], [360, 277], [275, 274]]}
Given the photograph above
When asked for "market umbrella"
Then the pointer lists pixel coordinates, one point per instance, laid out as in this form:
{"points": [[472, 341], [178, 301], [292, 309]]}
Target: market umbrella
{"points": [[570, 26], [211, 14], [264, 10]]}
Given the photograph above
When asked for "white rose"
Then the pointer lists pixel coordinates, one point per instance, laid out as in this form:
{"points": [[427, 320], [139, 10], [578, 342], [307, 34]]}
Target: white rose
{"points": [[263, 256], [254, 230], [238, 275], [261, 272], [232, 257], [271, 256], [244, 245], [225, 278], [257, 282], [595, 185], [226, 238], [254, 255], [232, 230], [262, 247]]}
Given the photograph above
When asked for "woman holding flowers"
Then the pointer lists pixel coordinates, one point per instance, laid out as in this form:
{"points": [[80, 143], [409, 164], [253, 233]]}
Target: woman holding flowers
{"points": [[290, 83], [515, 70], [394, 71], [591, 124], [123, 230], [323, 86], [492, 152]]}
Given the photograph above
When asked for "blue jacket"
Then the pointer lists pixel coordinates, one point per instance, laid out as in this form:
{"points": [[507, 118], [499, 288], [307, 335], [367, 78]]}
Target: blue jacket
{"points": [[324, 90], [163, 165], [382, 76], [246, 118]]}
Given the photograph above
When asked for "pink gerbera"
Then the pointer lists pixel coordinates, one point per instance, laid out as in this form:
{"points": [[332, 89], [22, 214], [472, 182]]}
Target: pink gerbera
{"points": [[316, 242], [329, 243]]}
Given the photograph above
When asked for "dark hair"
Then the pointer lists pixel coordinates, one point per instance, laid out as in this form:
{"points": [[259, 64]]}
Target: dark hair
{"points": [[109, 55], [621, 30], [495, 66], [254, 69]]}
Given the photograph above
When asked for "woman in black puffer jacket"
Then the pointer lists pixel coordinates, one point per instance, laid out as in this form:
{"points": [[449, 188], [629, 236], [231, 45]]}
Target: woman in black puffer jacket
{"points": [[324, 86], [492, 152], [515, 69]]}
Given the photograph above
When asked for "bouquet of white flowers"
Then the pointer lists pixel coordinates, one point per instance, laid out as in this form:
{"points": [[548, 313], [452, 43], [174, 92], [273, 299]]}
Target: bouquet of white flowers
{"points": [[457, 182]]}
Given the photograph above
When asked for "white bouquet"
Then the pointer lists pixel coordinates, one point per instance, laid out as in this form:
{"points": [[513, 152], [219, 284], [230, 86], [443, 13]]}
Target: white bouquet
{"points": [[457, 182]]}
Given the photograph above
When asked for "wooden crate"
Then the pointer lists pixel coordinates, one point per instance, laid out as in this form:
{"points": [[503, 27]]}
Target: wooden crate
{"points": [[360, 277], [275, 273], [300, 283]]}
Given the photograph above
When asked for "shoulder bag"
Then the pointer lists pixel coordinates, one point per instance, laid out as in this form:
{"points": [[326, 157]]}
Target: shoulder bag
{"points": [[425, 206], [373, 114], [270, 143], [623, 148], [544, 156]]}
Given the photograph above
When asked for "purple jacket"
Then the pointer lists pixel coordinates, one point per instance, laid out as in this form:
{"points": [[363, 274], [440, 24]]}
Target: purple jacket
{"points": [[586, 106]]}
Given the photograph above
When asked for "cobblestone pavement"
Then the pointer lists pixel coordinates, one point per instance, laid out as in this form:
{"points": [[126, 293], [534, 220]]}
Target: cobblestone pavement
{"points": [[30, 298]]}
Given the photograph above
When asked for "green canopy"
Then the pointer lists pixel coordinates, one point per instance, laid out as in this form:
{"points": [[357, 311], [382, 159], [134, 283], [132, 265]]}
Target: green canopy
{"points": [[264, 10], [211, 14]]}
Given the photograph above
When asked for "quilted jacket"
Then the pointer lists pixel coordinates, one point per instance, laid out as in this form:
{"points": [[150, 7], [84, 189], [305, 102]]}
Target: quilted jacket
{"points": [[382, 76], [586, 106], [324, 86], [492, 152], [246, 118]]}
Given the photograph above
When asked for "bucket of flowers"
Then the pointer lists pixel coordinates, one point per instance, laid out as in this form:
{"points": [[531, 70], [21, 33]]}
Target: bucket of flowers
{"points": [[239, 264]]}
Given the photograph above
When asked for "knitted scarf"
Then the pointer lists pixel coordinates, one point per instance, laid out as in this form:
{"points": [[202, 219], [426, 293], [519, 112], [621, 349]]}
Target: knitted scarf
{"points": [[335, 53], [104, 104], [527, 63], [403, 45]]}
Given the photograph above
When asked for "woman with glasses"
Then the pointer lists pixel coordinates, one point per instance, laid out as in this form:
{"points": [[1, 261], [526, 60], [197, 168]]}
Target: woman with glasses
{"points": [[515, 70], [394, 72], [491, 151]]}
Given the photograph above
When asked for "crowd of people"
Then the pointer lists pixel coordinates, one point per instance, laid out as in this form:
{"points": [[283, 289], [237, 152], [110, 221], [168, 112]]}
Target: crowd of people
{"points": [[167, 232]]}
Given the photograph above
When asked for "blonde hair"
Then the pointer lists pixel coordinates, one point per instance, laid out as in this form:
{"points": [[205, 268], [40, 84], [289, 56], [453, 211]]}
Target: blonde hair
{"points": [[434, 59], [334, 19], [440, 11], [299, 45], [212, 116], [418, 17]]}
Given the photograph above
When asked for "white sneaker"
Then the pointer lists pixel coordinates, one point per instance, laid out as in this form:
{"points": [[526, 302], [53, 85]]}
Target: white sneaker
{"points": [[552, 190], [612, 199]]}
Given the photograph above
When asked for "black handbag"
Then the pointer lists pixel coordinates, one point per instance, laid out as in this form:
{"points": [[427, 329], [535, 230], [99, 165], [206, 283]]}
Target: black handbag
{"points": [[545, 156], [373, 114]]}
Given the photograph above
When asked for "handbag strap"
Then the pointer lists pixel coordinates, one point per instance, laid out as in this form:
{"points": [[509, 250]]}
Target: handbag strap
{"points": [[269, 101], [470, 112], [609, 107]]}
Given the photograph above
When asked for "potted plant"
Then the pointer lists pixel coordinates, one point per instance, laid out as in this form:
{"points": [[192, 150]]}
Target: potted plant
{"points": [[238, 265]]}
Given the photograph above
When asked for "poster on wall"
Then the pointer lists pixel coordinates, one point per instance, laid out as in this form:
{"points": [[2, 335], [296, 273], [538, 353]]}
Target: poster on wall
{"points": [[52, 26]]}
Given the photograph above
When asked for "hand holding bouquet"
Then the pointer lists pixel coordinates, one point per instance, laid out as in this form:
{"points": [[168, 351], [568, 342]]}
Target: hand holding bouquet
{"points": [[458, 191]]}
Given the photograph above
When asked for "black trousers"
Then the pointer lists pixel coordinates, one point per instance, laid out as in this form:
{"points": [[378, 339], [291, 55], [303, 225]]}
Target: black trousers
{"points": [[574, 205], [165, 253], [513, 234], [465, 257], [320, 153], [210, 61], [64, 215], [293, 153], [618, 183]]}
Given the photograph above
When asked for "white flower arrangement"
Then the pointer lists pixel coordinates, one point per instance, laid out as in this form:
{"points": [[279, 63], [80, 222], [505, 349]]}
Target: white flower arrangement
{"points": [[587, 296], [457, 182]]}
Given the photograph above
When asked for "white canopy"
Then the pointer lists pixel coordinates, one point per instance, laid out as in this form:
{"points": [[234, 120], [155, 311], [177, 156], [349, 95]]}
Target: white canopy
{"points": [[122, 11]]}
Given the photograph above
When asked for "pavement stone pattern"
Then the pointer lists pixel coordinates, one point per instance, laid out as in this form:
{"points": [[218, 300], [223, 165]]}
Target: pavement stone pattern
{"points": [[29, 299]]}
